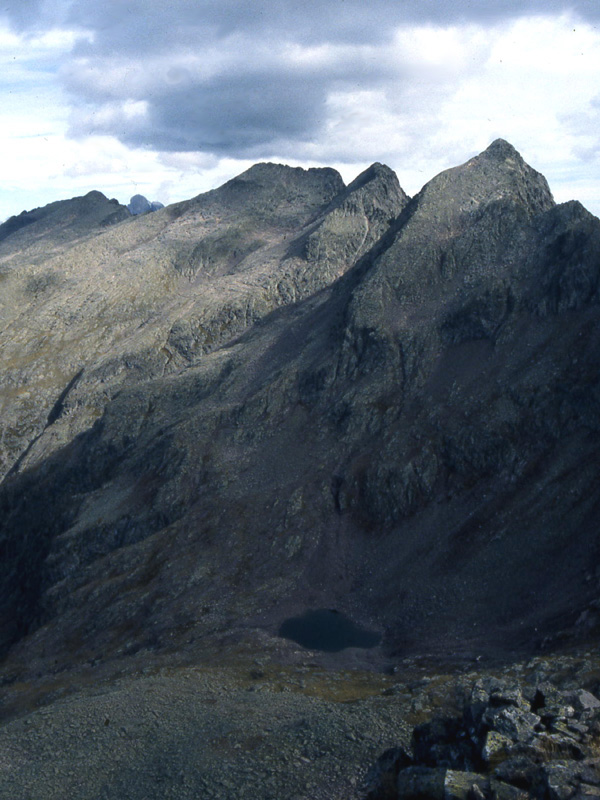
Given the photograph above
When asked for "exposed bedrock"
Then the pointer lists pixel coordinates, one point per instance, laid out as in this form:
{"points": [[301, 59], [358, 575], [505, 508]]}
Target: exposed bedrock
{"points": [[314, 397]]}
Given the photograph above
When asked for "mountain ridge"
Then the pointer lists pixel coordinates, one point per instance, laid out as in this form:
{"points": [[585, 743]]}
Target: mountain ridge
{"points": [[164, 277], [401, 423]]}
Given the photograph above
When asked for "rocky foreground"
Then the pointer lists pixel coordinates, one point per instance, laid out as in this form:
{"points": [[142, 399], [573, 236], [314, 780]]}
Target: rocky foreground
{"points": [[512, 742], [308, 733]]}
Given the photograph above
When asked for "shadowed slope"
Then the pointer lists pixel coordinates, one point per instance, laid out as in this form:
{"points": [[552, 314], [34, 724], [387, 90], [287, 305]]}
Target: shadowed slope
{"points": [[415, 444]]}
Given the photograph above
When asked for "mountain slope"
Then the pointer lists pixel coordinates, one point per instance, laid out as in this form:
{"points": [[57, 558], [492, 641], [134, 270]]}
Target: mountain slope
{"points": [[414, 443], [84, 313]]}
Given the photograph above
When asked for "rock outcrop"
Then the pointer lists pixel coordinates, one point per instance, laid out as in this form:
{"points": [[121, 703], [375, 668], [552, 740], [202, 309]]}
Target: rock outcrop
{"points": [[512, 743]]}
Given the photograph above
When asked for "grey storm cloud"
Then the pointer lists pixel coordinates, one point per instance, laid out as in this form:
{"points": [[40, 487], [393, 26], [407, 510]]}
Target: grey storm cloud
{"points": [[236, 96], [233, 113], [138, 24], [238, 115], [213, 75]]}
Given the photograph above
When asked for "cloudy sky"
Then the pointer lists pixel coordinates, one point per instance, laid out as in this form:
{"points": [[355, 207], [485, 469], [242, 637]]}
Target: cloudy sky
{"points": [[172, 98]]}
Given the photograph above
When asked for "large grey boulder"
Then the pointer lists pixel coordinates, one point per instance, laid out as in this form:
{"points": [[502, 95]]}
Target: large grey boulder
{"points": [[516, 755]]}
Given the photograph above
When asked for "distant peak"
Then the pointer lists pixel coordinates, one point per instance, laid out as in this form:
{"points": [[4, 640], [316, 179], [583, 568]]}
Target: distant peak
{"points": [[141, 205], [95, 195], [378, 175], [379, 169]]}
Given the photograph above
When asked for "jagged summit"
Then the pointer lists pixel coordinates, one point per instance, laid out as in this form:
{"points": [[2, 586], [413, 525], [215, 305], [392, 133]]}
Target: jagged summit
{"points": [[459, 227], [275, 192], [498, 175], [266, 179], [501, 149], [377, 185], [375, 171], [269, 171], [355, 220]]}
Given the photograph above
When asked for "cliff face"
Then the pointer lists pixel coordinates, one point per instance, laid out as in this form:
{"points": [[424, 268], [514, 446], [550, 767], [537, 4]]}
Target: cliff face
{"points": [[291, 394]]}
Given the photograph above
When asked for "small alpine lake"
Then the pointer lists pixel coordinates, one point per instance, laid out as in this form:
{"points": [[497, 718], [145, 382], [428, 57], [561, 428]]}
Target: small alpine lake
{"points": [[327, 630]]}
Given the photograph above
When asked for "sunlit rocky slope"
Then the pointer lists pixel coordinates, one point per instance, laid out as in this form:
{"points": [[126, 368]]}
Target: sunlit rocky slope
{"points": [[88, 304], [288, 394]]}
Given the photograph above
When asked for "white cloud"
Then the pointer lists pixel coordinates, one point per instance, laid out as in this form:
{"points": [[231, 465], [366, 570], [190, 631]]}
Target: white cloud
{"points": [[424, 98], [538, 72], [533, 81]]}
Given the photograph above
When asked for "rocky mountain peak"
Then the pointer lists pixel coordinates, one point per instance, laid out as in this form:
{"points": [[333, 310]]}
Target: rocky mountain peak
{"points": [[376, 171], [287, 396], [139, 204], [459, 227], [496, 177], [282, 194], [502, 150], [377, 186], [267, 177], [272, 172], [355, 220]]}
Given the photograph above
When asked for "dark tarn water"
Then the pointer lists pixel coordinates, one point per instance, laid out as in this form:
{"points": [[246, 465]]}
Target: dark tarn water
{"points": [[327, 630]]}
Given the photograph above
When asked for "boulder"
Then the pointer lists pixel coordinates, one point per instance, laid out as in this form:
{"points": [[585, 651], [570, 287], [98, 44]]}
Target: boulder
{"points": [[382, 778], [496, 748], [500, 749], [460, 785], [513, 723], [421, 783]]}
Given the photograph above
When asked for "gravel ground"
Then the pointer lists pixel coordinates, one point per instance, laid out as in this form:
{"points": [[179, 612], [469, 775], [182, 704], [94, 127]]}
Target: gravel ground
{"points": [[196, 734], [266, 732]]}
